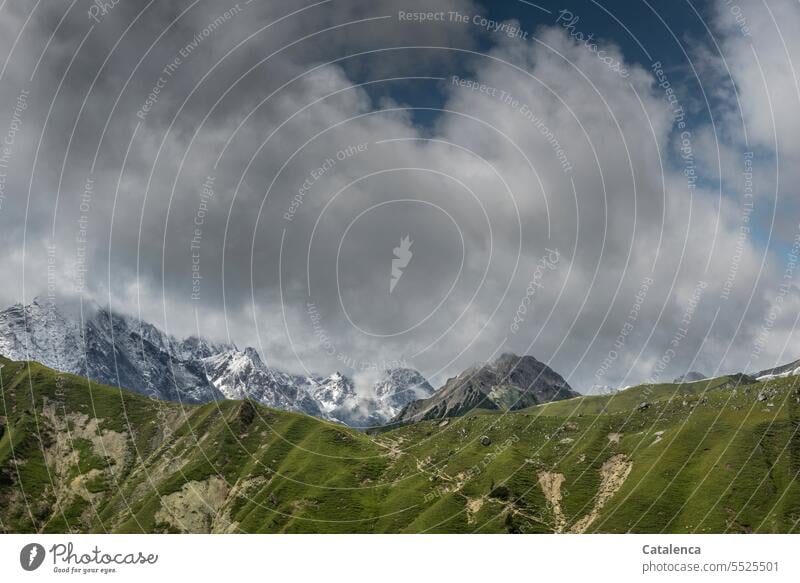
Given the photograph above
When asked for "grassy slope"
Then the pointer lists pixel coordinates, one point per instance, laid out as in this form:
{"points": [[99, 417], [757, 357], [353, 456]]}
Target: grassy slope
{"points": [[74, 457]]}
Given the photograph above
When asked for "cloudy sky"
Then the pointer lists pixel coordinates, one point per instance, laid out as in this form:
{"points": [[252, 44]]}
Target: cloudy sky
{"points": [[612, 190]]}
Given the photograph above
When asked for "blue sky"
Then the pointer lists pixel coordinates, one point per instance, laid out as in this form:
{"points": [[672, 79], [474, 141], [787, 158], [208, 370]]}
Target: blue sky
{"points": [[671, 33]]}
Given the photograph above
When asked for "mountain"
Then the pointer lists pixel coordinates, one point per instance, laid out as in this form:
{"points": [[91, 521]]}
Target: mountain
{"points": [[787, 370], [243, 375], [114, 349], [335, 394], [377, 404], [690, 377], [602, 390], [398, 387], [511, 382], [105, 347], [700, 458]]}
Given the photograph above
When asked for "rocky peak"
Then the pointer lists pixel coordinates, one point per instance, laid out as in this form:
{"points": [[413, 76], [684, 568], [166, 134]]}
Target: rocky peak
{"points": [[510, 382]]}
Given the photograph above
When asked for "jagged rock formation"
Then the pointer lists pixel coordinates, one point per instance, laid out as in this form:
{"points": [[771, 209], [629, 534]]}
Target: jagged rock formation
{"points": [[511, 382]]}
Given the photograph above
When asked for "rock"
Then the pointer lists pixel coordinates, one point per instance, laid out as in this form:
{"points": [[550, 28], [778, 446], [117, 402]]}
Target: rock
{"points": [[509, 383], [643, 406], [762, 396], [247, 413], [485, 441], [500, 493]]}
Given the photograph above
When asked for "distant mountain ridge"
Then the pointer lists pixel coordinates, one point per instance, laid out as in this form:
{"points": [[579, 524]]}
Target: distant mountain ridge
{"points": [[108, 348], [118, 350], [509, 383], [787, 370], [690, 377]]}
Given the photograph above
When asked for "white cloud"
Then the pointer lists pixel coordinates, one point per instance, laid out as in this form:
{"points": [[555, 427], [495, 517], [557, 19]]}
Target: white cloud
{"points": [[495, 175]]}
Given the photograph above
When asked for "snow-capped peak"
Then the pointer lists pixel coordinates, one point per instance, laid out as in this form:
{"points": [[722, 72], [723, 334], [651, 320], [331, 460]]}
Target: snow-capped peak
{"points": [[119, 350]]}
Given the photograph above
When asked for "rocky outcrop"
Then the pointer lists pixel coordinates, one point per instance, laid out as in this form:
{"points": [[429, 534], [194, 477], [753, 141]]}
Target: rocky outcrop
{"points": [[511, 382]]}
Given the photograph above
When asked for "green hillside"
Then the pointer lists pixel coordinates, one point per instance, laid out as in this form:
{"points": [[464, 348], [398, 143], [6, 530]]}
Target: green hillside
{"points": [[711, 456]]}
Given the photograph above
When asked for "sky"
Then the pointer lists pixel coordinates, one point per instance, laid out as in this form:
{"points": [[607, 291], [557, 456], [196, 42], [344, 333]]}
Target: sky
{"points": [[354, 185]]}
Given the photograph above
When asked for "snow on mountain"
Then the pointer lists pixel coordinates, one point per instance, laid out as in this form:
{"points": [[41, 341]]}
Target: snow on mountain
{"points": [[118, 350], [334, 393], [105, 347], [787, 370], [375, 404], [397, 388], [603, 390], [42, 333], [194, 348], [243, 375]]}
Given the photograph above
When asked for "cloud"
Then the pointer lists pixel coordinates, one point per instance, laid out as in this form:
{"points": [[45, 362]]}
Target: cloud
{"points": [[261, 201], [757, 57]]}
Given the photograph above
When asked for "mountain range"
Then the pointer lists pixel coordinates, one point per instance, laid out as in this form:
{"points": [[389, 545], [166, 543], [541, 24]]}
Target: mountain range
{"points": [[114, 349], [787, 370]]}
